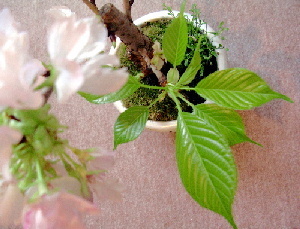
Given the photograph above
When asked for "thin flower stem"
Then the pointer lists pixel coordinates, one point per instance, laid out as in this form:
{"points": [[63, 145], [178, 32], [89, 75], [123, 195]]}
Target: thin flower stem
{"points": [[69, 159], [42, 186], [79, 175]]}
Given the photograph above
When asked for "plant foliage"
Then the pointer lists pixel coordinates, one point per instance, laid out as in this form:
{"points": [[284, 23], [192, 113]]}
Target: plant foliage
{"points": [[174, 43], [237, 88], [206, 165], [128, 89], [130, 124], [204, 136]]}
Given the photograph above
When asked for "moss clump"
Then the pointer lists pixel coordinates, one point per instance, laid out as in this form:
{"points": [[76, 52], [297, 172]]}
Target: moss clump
{"points": [[156, 29], [166, 109], [125, 62]]}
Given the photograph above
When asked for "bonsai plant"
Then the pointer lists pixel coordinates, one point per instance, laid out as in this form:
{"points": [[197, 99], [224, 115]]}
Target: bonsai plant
{"points": [[205, 132], [45, 181]]}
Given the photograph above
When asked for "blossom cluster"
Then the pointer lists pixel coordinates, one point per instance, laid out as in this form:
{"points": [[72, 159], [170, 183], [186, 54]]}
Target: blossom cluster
{"points": [[35, 191]]}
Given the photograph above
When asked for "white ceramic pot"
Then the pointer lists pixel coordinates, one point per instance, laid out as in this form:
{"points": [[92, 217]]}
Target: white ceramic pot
{"points": [[166, 126]]}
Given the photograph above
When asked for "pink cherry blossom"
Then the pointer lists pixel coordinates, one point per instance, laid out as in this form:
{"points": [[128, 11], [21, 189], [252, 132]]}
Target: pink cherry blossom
{"points": [[11, 204], [8, 137], [74, 47], [11, 199], [60, 210], [17, 71], [103, 187]]}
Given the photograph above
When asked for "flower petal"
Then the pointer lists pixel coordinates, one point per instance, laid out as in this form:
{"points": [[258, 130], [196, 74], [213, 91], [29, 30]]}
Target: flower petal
{"points": [[11, 205], [103, 80], [14, 89], [7, 22], [31, 70], [97, 41], [8, 137], [60, 12], [108, 189], [67, 38], [69, 80], [60, 210], [103, 160], [108, 82]]}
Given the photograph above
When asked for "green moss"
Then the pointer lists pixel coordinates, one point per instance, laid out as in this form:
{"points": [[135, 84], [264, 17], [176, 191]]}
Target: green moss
{"points": [[156, 29], [166, 109], [125, 62]]}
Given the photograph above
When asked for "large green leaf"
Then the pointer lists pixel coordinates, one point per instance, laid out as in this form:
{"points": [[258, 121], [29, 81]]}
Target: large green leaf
{"points": [[193, 67], [227, 121], [130, 124], [128, 89], [206, 165], [237, 88], [175, 40]]}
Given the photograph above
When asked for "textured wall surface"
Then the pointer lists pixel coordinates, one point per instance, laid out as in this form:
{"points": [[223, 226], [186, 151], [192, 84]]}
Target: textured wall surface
{"points": [[264, 37]]}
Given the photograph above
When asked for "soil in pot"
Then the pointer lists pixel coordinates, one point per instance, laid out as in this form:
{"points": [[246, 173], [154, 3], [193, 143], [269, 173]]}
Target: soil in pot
{"points": [[166, 109]]}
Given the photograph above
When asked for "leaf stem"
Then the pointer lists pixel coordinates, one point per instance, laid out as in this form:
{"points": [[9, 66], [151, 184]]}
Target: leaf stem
{"points": [[160, 97], [174, 97], [185, 100], [187, 88], [152, 87]]}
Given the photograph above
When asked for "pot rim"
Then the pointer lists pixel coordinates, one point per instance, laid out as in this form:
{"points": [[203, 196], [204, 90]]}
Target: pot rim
{"points": [[166, 126]]}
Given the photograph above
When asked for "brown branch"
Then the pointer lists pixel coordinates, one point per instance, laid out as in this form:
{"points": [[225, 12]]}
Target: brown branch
{"points": [[92, 5], [139, 45], [127, 7]]}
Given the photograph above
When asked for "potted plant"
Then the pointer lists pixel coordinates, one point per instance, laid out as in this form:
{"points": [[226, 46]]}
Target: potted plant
{"points": [[204, 132], [44, 181], [146, 23]]}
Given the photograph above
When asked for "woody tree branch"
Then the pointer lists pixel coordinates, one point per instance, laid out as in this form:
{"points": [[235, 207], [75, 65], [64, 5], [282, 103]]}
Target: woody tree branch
{"points": [[92, 5], [127, 6], [139, 45]]}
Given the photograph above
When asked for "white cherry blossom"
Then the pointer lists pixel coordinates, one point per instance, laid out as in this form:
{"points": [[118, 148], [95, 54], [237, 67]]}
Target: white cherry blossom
{"points": [[17, 71], [75, 48]]}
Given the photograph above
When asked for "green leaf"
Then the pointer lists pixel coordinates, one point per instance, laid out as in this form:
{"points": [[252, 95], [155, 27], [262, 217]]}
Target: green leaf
{"points": [[173, 76], [237, 88], [193, 67], [175, 40], [130, 124], [128, 89], [227, 121], [206, 165]]}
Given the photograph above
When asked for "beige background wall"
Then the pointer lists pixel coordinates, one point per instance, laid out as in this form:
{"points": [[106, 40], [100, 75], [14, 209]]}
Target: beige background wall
{"points": [[264, 37]]}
